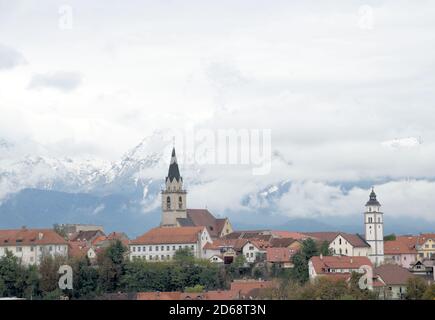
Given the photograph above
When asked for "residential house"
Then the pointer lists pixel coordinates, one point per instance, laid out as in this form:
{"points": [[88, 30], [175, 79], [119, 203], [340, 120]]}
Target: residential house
{"points": [[279, 257], [401, 251], [336, 266], [255, 250], [394, 280], [425, 245], [31, 245], [223, 249], [425, 269]]}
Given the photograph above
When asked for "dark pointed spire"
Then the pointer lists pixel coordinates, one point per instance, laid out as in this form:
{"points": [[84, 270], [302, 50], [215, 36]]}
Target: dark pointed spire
{"points": [[372, 200], [174, 172]]}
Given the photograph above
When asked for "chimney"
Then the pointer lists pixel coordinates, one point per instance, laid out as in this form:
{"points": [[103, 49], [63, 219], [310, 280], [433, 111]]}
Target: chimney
{"points": [[351, 260], [40, 236], [321, 256]]}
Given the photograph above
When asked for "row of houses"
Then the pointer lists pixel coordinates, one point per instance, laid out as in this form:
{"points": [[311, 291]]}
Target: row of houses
{"points": [[389, 280]]}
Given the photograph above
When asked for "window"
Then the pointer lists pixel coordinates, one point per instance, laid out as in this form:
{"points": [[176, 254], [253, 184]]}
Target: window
{"points": [[168, 257], [157, 248], [32, 248], [180, 203], [134, 249], [251, 247], [162, 247], [150, 248], [151, 257], [138, 249], [192, 247], [339, 241], [167, 248], [173, 247], [163, 257], [19, 249], [168, 203], [50, 249], [144, 248]]}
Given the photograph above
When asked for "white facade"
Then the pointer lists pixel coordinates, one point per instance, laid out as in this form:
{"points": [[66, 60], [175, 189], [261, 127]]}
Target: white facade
{"points": [[250, 251], [340, 246], [166, 251], [374, 229], [33, 254]]}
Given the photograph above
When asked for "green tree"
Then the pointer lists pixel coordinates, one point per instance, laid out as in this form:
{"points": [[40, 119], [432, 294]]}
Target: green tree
{"points": [[11, 274], [48, 272], [429, 294], [390, 237], [184, 256], [85, 278], [324, 249], [111, 266], [300, 260], [195, 289], [415, 288]]}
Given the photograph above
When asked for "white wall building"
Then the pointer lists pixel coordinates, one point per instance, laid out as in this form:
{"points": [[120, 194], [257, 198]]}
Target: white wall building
{"points": [[31, 245], [160, 244], [350, 245]]}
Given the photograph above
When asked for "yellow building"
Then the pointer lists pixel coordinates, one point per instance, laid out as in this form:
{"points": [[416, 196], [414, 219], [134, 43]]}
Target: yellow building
{"points": [[425, 246]]}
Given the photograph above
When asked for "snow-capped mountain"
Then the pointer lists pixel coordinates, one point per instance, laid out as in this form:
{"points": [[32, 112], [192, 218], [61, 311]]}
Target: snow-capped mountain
{"points": [[38, 190]]}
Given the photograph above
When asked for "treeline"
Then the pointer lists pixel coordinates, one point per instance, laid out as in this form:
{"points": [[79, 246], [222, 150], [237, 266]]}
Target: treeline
{"points": [[113, 272]]}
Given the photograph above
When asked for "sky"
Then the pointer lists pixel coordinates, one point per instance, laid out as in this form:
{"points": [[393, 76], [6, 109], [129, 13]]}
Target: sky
{"points": [[347, 89]]}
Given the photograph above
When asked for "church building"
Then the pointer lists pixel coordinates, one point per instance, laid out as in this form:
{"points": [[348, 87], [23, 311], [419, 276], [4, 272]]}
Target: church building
{"points": [[174, 208]]}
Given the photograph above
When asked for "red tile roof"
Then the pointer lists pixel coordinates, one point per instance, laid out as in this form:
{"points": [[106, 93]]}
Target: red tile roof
{"points": [[203, 217], [322, 264], [281, 242], [77, 249], [278, 255], [393, 274], [289, 234], [402, 245], [30, 237], [243, 287], [422, 238], [236, 244], [354, 239], [159, 295], [169, 235]]}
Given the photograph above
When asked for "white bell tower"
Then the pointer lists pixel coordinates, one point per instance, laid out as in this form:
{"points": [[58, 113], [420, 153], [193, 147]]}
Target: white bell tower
{"points": [[374, 229]]}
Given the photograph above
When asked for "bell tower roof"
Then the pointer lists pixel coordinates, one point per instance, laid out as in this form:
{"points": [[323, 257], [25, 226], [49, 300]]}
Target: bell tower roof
{"points": [[372, 200], [173, 172]]}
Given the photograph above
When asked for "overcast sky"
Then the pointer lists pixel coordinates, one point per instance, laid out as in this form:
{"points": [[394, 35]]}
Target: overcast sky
{"points": [[347, 87]]}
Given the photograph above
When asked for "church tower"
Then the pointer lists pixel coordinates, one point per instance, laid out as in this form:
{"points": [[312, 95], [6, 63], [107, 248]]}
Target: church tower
{"points": [[174, 196], [374, 229]]}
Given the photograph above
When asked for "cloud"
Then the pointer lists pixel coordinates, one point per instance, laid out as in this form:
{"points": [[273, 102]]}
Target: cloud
{"points": [[60, 80], [10, 58]]}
